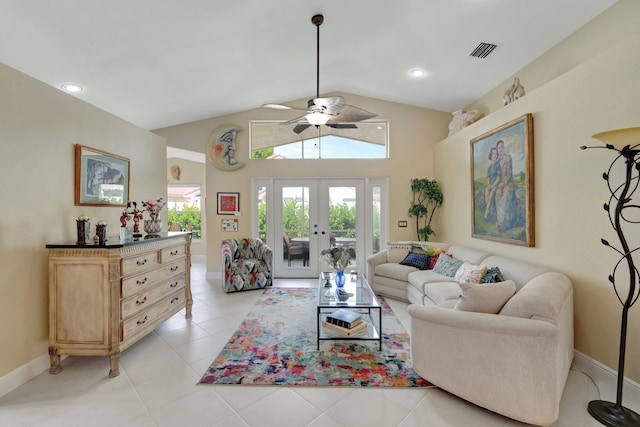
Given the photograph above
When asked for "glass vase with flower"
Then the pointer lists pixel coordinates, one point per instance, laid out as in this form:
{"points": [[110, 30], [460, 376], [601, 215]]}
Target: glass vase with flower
{"points": [[339, 258]]}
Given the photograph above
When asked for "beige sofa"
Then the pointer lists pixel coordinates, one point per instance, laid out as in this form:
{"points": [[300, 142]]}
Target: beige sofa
{"points": [[514, 362]]}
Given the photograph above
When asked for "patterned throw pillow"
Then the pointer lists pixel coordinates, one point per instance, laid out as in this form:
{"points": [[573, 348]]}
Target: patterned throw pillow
{"points": [[432, 261], [396, 252], [493, 275], [428, 249], [447, 266], [420, 261], [470, 273]]}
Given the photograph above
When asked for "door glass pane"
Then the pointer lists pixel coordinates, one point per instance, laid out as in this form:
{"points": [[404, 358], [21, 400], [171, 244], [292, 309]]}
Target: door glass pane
{"points": [[342, 217], [262, 212], [376, 220], [295, 227]]}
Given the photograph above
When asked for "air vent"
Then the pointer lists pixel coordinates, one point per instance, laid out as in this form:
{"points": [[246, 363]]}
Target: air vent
{"points": [[483, 50]]}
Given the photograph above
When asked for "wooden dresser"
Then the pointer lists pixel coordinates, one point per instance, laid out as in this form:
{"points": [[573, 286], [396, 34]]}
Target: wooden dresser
{"points": [[103, 299]]}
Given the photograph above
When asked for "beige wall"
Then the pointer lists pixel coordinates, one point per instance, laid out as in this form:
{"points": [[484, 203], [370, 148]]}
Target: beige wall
{"points": [[39, 127], [191, 173], [412, 132], [600, 95]]}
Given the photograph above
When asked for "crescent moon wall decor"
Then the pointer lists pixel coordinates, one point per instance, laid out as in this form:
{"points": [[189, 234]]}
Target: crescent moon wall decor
{"points": [[222, 148]]}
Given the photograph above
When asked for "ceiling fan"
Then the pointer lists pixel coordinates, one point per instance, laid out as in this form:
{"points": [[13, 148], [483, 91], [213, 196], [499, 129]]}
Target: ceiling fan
{"points": [[331, 111]]}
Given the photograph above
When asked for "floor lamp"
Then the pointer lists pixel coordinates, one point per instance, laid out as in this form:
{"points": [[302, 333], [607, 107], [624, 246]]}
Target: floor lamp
{"points": [[620, 208]]}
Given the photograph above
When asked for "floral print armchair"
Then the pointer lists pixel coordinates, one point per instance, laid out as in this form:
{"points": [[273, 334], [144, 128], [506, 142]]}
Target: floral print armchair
{"points": [[247, 264]]}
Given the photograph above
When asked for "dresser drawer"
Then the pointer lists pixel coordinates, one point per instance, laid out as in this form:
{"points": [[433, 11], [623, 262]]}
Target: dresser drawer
{"points": [[150, 296], [139, 263], [135, 284], [173, 253], [153, 315]]}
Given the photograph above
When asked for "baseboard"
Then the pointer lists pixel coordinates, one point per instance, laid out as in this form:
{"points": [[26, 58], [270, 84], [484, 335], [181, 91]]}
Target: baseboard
{"points": [[606, 380], [24, 374], [214, 275]]}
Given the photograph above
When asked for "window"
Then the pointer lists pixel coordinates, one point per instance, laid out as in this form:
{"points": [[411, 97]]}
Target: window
{"points": [[274, 140], [184, 209]]}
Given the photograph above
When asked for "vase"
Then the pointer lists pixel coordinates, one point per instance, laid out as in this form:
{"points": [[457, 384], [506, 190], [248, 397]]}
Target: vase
{"points": [[340, 278], [152, 226]]}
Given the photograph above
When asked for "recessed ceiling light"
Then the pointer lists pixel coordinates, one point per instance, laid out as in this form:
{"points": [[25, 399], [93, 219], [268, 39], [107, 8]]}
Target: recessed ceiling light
{"points": [[70, 87], [417, 73]]}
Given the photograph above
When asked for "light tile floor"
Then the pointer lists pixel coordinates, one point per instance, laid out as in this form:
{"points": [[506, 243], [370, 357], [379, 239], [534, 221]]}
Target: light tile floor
{"points": [[158, 376]]}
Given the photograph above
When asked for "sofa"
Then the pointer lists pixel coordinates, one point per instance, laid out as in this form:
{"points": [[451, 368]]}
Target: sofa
{"points": [[246, 264], [506, 345]]}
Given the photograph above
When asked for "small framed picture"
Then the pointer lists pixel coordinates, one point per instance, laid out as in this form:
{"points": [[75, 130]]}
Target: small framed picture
{"points": [[228, 203]]}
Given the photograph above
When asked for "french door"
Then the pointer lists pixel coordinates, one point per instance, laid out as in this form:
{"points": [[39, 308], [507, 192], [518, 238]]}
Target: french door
{"points": [[316, 214]]}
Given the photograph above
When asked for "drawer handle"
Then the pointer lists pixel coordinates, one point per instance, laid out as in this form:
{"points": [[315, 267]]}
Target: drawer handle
{"points": [[176, 252], [143, 321], [141, 301], [141, 262], [174, 300], [141, 282], [173, 285], [175, 268]]}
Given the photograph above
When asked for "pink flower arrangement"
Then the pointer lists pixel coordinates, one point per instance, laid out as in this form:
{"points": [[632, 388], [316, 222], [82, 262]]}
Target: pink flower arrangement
{"points": [[154, 207]]}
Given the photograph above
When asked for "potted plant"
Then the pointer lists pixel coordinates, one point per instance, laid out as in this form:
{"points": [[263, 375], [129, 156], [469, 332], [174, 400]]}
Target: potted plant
{"points": [[427, 196]]}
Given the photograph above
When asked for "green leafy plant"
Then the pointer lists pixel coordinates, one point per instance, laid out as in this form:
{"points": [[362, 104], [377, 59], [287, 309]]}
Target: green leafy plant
{"points": [[427, 196]]}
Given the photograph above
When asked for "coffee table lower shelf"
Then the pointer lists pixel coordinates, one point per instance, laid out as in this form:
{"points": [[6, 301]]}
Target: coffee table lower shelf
{"points": [[372, 333]]}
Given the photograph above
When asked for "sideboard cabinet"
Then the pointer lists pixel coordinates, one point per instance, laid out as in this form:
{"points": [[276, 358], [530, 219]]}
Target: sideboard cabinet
{"points": [[103, 299]]}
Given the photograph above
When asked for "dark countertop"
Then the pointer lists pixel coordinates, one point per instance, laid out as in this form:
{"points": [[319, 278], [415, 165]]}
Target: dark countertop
{"points": [[114, 241]]}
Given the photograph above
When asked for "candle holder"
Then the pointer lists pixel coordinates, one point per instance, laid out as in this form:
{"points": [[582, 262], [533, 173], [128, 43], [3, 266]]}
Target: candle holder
{"points": [[83, 227], [620, 208]]}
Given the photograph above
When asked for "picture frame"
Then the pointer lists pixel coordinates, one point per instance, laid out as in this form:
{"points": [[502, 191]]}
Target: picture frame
{"points": [[228, 203], [502, 193], [101, 178]]}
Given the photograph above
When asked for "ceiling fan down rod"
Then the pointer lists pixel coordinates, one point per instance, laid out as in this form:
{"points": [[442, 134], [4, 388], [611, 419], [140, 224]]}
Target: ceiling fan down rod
{"points": [[317, 20]]}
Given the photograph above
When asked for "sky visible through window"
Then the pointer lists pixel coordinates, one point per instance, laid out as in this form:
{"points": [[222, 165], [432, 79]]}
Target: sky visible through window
{"points": [[332, 147]]}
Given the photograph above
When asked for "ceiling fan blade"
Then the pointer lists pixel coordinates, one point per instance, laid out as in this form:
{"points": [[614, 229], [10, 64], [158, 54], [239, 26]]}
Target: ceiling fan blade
{"points": [[300, 128], [282, 107], [298, 120], [350, 114], [342, 125], [332, 105]]}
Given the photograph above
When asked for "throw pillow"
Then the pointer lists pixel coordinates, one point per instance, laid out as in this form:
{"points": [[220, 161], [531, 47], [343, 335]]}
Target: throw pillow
{"points": [[432, 261], [493, 275], [428, 249], [489, 298], [447, 265], [420, 261], [396, 252], [470, 273]]}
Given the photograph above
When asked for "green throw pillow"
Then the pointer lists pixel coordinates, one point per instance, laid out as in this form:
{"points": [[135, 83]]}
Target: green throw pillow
{"points": [[447, 266]]}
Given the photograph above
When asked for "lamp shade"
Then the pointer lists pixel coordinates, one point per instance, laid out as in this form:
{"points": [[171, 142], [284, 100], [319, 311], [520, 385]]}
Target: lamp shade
{"points": [[620, 138]]}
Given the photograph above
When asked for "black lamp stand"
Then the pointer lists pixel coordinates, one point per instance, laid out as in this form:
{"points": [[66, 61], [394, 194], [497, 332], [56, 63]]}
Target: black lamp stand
{"points": [[609, 413]]}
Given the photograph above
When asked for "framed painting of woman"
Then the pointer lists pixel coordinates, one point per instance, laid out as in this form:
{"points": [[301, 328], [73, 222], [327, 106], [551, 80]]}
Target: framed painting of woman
{"points": [[502, 183]]}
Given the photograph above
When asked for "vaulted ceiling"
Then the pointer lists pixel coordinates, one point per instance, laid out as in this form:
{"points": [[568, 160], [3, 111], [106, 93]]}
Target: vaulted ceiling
{"points": [[160, 63]]}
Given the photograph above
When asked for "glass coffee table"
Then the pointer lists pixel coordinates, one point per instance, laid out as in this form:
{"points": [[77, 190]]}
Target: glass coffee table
{"points": [[358, 297]]}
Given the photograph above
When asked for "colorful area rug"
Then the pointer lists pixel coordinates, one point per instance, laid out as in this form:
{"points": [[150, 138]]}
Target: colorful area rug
{"points": [[276, 345]]}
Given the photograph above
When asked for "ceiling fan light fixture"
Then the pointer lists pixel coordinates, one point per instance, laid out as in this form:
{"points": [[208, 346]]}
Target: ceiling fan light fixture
{"points": [[317, 119]]}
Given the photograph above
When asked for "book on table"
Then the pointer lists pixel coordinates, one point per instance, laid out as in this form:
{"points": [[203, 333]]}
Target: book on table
{"points": [[344, 331], [344, 318]]}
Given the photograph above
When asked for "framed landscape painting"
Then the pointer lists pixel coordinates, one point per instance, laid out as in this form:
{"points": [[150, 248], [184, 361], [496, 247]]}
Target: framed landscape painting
{"points": [[102, 179], [502, 183]]}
